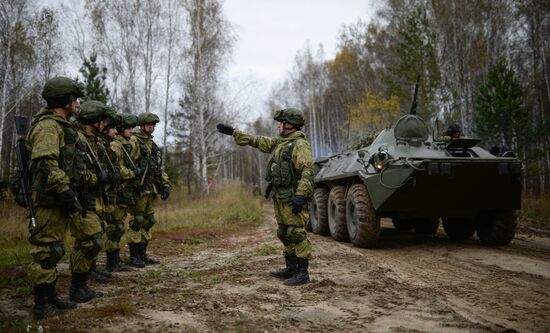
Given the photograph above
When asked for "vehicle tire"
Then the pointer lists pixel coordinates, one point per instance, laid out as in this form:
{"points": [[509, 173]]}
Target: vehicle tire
{"points": [[363, 224], [458, 228], [496, 228], [318, 212], [427, 226], [402, 224], [337, 214]]}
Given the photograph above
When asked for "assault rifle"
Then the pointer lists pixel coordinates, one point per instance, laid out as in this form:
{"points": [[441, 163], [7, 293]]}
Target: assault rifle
{"points": [[22, 160]]}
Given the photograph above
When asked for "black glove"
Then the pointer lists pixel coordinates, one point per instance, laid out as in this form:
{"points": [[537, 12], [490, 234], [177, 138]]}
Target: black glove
{"points": [[298, 204], [225, 129], [103, 177], [165, 193], [138, 172], [68, 203]]}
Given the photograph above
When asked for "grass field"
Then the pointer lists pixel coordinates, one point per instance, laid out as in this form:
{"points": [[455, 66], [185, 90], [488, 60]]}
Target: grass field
{"points": [[183, 219]]}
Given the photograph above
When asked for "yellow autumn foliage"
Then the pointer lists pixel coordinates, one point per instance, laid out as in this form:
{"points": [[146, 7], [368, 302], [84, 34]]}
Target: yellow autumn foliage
{"points": [[373, 114]]}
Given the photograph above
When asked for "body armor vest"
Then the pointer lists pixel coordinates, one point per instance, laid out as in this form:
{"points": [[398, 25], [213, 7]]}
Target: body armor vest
{"points": [[282, 175]]}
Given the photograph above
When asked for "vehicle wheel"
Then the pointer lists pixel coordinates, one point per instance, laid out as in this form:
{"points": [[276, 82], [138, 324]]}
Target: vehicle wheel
{"points": [[318, 212], [337, 214], [402, 224], [426, 226], [458, 228], [496, 228], [363, 224]]}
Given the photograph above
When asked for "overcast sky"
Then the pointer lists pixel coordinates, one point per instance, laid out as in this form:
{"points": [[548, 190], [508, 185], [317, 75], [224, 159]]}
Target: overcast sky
{"points": [[271, 32]]}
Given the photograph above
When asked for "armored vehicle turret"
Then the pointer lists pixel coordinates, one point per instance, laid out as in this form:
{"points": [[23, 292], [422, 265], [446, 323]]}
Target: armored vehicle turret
{"points": [[417, 180]]}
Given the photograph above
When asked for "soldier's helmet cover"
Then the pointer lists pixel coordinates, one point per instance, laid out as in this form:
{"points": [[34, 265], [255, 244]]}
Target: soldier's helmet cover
{"points": [[113, 119], [61, 86], [148, 118], [291, 115], [93, 111], [128, 120]]}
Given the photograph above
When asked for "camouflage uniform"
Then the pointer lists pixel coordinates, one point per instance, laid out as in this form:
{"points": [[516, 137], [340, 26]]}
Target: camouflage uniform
{"points": [[290, 174], [55, 167], [87, 228], [291, 230], [122, 150], [154, 181]]}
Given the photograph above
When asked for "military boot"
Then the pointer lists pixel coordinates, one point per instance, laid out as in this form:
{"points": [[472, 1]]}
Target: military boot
{"points": [[41, 308], [113, 262], [302, 276], [144, 257], [79, 291], [291, 267], [135, 259], [55, 301], [99, 276]]}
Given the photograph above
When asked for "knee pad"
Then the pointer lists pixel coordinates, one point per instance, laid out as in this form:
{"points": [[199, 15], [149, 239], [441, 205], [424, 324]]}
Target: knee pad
{"points": [[295, 235], [93, 246], [48, 259], [137, 224], [115, 230], [149, 222], [281, 234]]}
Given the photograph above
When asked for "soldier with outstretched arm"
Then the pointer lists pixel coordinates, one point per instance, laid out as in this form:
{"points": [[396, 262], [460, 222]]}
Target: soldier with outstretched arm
{"points": [[290, 177]]}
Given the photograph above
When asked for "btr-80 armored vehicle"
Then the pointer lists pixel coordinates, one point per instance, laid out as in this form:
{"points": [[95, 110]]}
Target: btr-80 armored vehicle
{"points": [[416, 180]]}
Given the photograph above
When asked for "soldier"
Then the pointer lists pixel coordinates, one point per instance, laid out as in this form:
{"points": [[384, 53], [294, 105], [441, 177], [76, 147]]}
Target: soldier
{"points": [[152, 182], [125, 194], [87, 228], [290, 176], [453, 132], [56, 167]]}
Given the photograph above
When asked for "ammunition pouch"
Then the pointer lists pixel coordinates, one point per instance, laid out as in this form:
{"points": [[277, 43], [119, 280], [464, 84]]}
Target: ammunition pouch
{"points": [[125, 196]]}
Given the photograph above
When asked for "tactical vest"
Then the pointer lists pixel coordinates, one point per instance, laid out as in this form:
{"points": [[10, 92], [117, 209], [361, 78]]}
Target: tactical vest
{"points": [[282, 175], [150, 162], [108, 160], [71, 161]]}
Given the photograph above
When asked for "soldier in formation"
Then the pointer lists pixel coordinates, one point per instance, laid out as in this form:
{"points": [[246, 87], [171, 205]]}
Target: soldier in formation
{"points": [[290, 177], [87, 176], [56, 167], [152, 182]]}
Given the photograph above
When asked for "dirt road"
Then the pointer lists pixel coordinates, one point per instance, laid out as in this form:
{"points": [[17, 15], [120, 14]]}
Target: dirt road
{"points": [[411, 283]]}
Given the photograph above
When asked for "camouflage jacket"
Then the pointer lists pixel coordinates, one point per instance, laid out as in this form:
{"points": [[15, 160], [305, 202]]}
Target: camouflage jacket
{"points": [[302, 158], [57, 161], [149, 159]]}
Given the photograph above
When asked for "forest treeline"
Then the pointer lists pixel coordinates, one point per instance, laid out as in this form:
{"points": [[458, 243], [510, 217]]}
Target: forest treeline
{"points": [[483, 65]]}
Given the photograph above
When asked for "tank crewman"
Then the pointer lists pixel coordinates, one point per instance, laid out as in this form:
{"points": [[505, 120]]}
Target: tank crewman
{"points": [[290, 177], [152, 182], [453, 132], [125, 194], [87, 228], [56, 170]]}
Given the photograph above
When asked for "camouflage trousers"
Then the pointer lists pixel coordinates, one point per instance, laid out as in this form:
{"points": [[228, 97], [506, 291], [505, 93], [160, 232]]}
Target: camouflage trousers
{"points": [[115, 229], [291, 229], [89, 236], [142, 219], [48, 248]]}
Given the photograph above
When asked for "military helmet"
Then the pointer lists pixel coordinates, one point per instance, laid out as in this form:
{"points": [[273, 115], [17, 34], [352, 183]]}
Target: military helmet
{"points": [[291, 115], [147, 118], [128, 120], [61, 86], [113, 119], [92, 111]]}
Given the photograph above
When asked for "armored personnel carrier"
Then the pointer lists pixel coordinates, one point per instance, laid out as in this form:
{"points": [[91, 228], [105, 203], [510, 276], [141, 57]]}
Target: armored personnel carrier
{"points": [[417, 180]]}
